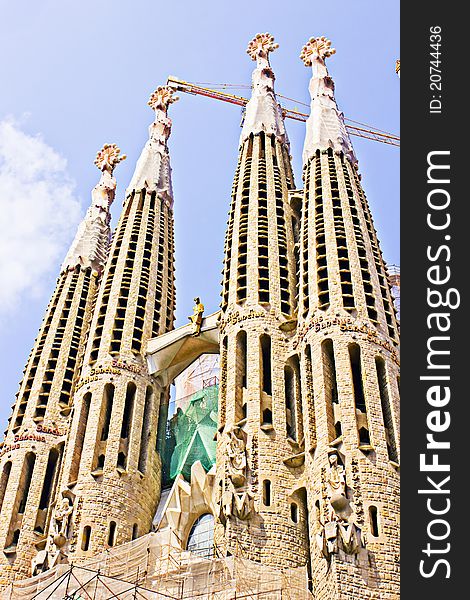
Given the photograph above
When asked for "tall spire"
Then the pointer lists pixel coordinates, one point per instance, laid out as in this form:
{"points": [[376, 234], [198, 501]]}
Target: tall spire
{"points": [[263, 112], [90, 246], [153, 170], [325, 125]]}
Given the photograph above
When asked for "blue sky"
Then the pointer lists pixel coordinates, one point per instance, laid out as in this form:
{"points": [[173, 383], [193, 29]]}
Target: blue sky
{"points": [[78, 74]]}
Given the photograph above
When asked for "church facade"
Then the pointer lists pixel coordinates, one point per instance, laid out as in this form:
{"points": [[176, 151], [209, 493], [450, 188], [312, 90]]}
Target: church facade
{"points": [[306, 472]]}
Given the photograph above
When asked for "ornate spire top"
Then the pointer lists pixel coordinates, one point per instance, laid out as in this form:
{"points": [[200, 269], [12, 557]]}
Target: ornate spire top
{"points": [[89, 249], [325, 125], [162, 97], [261, 45], [319, 47], [263, 112], [153, 171], [108, 157]]}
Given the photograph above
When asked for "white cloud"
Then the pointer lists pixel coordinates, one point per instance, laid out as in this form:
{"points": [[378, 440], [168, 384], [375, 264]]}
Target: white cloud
{"points": [[39, 213]]}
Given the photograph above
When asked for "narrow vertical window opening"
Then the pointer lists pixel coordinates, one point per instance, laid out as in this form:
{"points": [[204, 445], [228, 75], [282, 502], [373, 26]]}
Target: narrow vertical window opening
{"points": [[28, 467], [294, 512], [4, 482], [374, 521], [112, 533], [386, 409], [86, 535], [108, 405], [289, 384], [80, 437], [240, 375], [359, 397], [267, 492], [265, 342], [331, 390], [145, 435], [128, 410]]}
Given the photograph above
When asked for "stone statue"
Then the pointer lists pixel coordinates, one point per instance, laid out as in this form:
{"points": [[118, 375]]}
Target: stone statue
{"points": [[339, 532], [61, 521], [196, 317], [336, 488], [236, 452]]}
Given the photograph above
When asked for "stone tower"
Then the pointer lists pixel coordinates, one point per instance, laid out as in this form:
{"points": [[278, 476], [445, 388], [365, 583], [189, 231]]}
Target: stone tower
{"points": [[31, 454], [347, 342], [111, 469], [260, 426]]}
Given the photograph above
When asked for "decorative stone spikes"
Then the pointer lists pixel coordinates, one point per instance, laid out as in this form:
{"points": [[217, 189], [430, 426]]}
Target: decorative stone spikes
{"points": [[325, 125], [261, 45], [162, 97], [263, 112], [90, 246], [316, 48], [153, 170], [108, 157]]}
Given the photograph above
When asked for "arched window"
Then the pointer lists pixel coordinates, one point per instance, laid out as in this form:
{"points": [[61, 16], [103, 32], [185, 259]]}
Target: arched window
{"points": [[4, 481], [240, 376], [359, 396], [80, 437], [26, 478], [293, 401], [21, 499], [201, 537], [146, 429], [128, 410], [49, 484], [294, 512], [112, 533], [267, 492], [106, 409], [265, 347], [374, 521], [386, 408], [331, 389], [86, 535]]}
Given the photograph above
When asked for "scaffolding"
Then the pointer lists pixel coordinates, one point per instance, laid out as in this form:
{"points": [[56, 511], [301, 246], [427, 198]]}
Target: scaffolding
{"points": [[190, 432], [154, 568]]}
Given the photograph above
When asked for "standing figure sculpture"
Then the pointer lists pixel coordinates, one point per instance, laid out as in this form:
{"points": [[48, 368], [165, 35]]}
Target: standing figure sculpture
{"points": [[196, 317], [236, 452], [336, 488], [61, 522]]}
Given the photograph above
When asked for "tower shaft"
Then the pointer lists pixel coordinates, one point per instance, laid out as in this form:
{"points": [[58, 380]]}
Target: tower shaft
{"points": [[260, 424], [112, 470], [347, 340], [33, 448]]}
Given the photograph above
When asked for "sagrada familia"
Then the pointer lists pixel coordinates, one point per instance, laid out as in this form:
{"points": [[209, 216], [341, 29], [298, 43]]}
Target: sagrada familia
{"points": [[304, 489]]}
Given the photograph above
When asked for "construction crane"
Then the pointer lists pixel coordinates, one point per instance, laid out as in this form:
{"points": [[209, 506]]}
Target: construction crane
{"points": [[364, 131]]}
